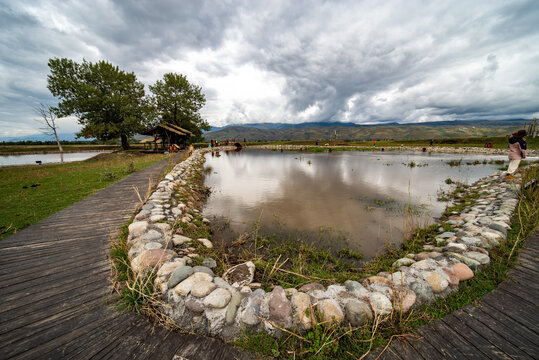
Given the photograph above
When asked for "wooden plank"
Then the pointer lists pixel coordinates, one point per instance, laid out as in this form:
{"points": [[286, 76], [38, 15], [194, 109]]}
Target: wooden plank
{"points": [[48, 339], [490, 351], [146, 346], [388, 354], [528, 257], [505, 333], [171, 343], [457, 340], [506, 305], [125, 340], [506, 347], [32, 328], [93, 340], [47, 264], [525, 268], [448, 350], [86, 297], [522, 272], [527, 294], [381, 353], [106, 340], [423, 347], [17, 300], [56, 279], [528, 266], [27, 303], [43, 247], [517, 328], [49, 349], [404, 350]]}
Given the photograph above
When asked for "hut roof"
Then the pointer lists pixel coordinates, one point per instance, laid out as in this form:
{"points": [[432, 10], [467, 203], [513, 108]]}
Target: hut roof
{"points": [[169, 127], [150, 140]]}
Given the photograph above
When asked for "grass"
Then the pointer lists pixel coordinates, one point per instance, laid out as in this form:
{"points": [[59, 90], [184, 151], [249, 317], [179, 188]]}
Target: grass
{"points": [[499, 142], [15, 148], [31, 193], [330, 341], [135, 292]]}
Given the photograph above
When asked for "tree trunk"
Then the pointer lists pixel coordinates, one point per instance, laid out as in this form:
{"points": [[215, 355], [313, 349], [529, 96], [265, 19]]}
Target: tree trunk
{"points": [[125, 144], [58, 141]]}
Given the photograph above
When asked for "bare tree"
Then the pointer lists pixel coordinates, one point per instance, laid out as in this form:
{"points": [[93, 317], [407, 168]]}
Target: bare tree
{"points": [[48, 118]]}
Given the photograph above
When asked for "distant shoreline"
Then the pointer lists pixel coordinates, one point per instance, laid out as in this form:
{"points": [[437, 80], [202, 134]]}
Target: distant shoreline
{"points": [[439, 149], [18, 153]]}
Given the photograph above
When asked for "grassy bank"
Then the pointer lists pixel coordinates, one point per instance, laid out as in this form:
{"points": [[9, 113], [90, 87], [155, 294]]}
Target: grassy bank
{"points": [[498, 142], [31, 193], [334, 342], [39, 149]]}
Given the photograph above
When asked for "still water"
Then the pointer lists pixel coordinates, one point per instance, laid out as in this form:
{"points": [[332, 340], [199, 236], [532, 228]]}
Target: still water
{"points": [[362, 196], [45, 158]]}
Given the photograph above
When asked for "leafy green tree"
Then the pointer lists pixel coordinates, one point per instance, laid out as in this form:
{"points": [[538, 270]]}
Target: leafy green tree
{"points": [[108, 102], [177, 101]]}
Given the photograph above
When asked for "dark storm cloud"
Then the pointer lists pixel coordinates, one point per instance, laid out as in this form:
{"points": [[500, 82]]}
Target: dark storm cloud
{"points": [[334, 63], [357, 61]]}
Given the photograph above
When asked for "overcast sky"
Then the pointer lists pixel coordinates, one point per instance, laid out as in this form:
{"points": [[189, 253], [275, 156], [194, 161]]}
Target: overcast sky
{"points": [[287, 61]]}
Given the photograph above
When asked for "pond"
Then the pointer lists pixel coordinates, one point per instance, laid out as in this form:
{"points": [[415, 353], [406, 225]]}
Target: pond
{"points": [[28, 159], [356, 199]]}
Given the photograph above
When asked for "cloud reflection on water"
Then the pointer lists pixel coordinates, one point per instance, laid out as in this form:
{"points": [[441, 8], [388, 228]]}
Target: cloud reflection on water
{"points": [[339, 190]]}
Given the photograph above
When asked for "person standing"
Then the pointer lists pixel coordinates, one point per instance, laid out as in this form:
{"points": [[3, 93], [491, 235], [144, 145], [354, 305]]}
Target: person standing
{"points": [[517, 152]]}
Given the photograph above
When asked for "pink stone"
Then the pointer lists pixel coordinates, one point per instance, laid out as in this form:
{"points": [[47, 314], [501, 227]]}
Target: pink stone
{"points": [[280, 309], [154, 257], [436, 281], [421, 256], [376, 279], [462, 271], [453, 279], [404, 299], [310, 287]]}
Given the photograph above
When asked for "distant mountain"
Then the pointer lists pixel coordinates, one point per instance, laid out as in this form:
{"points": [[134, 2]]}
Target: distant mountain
{"points": [[42, 137], [349, 131], [267, 126]]}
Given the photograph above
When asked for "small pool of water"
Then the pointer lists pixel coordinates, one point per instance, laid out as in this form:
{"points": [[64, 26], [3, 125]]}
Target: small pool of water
{"points": [[28, 159], [366, 199]]}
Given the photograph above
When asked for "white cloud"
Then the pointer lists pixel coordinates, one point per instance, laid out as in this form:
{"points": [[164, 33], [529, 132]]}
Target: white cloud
{"points": [[279, 61]]}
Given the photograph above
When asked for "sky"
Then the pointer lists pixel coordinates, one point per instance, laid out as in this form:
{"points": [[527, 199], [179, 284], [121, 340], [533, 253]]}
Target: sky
{"points": [[365, 62]]}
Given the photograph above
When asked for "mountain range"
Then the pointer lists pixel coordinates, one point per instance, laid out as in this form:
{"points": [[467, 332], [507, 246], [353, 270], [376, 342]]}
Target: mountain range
{"points": [[350, 131], [345, 131], [42, 137]]}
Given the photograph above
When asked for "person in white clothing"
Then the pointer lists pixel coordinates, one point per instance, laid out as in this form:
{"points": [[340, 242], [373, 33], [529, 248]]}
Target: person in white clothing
{"points": [[517, 152]]}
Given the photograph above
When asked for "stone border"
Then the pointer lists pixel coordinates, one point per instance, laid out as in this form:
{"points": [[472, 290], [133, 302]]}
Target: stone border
{"points": [[197, 300]]}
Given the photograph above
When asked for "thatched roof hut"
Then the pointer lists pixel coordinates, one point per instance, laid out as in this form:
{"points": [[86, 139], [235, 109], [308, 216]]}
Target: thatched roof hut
{"points": [[168, 134]]}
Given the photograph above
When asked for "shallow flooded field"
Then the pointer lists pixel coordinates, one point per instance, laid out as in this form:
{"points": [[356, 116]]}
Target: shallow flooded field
{"points": [[29, 159], [360, 200]]}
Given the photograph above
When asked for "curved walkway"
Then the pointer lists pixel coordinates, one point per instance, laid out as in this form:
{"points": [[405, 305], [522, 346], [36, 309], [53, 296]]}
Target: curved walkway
{"points": [[503, 325], [56, 299], [55, 293]]}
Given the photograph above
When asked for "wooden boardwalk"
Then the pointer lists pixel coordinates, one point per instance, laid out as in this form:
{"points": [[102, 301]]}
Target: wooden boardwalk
{"points": [[503, 325], [56, 299], [55, 292]]}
